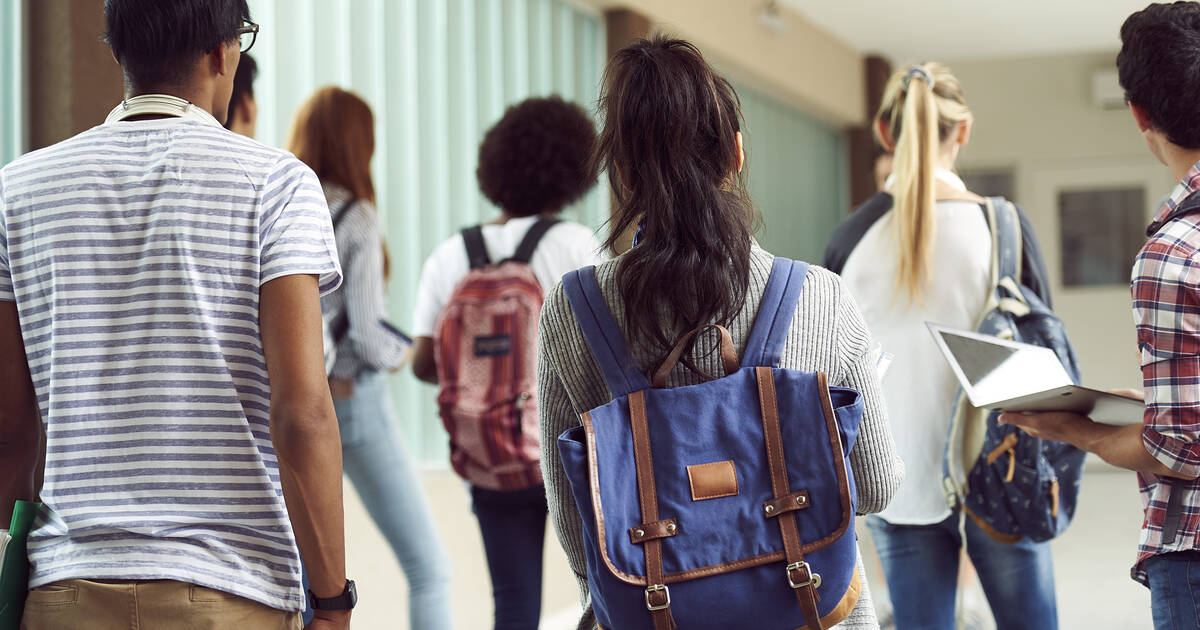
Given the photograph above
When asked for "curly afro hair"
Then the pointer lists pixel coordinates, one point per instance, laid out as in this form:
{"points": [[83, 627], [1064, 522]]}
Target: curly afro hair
{"points": [[537, 158]]}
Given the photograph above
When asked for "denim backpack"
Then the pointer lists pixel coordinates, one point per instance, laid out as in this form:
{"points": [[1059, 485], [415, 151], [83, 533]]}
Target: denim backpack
{"points": [[726, 504], [1011, 484]]}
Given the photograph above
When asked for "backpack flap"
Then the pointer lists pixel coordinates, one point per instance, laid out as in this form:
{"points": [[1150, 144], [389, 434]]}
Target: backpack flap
{"points": [[716, 510]]}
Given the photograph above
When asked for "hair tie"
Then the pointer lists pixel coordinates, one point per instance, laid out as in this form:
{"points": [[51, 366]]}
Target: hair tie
{"points": [[920, 73]]}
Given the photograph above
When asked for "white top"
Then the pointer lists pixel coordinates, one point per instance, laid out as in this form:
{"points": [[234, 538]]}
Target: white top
{"points": [[135, 253], [565, 247], [920, 387]]}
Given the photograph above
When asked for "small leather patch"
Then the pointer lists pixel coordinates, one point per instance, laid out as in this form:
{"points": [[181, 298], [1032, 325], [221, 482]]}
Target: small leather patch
{"points": [[713, 481]]}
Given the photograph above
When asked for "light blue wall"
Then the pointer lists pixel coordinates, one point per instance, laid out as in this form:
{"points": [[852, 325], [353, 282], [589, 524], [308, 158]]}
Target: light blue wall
{"points": [[438, 73], [12, 128], [798, 176]]}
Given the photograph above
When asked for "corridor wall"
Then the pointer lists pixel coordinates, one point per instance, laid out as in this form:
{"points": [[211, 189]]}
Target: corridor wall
{"points": [[798, 175], [12, 110], [437, 73]]}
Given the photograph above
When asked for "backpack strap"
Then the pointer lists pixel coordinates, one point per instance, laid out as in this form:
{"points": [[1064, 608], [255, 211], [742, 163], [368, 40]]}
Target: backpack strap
{"points": [[1005, 227], [764, 346], [477, 254], [534, 236], [342, 211], [620, 371], [340, 326]]}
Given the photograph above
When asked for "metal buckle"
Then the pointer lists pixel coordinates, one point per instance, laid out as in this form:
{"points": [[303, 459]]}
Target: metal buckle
{"points": [[654, 588], [814, 579]]}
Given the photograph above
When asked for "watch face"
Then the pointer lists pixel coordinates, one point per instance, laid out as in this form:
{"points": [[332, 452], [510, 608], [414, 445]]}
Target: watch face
{"points": [[351, 593]]}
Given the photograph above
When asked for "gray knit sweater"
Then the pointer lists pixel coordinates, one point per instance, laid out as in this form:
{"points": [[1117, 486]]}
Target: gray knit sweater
{"points": [[827, 334]]}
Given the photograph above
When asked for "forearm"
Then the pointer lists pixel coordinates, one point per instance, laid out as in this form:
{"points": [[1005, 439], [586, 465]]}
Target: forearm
{"points": [[21, 456], [1120, 446], [310, 470]]}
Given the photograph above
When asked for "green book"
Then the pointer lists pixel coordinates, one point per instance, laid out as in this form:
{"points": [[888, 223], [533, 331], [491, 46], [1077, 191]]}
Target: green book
{"points": [[14, 565]]}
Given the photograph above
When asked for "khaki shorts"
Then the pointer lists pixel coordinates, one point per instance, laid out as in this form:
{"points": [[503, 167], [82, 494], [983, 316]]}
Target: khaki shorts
{"points": [[148, 605]]}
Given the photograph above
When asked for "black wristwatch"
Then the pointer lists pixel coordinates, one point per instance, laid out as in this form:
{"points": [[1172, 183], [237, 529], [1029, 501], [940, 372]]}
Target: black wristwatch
{"points": [[345, 601]]}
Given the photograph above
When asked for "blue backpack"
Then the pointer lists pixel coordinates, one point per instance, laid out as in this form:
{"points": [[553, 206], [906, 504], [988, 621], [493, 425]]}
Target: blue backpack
{"points": [[1011, 484], [727, 504]]}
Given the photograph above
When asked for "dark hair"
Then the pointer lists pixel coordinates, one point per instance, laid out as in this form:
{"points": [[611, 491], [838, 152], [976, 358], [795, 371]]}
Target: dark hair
{"points": [[669, 145], [535, 159], [243, 84], [156, 41], [1159, 68]]}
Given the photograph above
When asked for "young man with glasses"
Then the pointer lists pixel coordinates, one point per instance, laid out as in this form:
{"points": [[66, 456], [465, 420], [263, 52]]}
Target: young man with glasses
{"points": [[1159, 68], [160, 319]]}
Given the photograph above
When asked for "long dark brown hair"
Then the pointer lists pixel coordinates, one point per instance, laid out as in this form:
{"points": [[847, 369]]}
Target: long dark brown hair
{"points": [[670, 147]]}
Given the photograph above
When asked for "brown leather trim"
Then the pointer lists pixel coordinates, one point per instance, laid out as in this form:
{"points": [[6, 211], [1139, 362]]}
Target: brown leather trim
{"points": [[1007, 539], [729, 356], [798, 571], [790, 503], [735, 565], [713, 480], [653, 531], [845, 605], [839, 463], [658, 602]]}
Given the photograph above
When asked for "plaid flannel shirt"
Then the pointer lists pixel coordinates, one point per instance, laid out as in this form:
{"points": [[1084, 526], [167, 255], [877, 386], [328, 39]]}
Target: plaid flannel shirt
{"points": [[1166, 310]]}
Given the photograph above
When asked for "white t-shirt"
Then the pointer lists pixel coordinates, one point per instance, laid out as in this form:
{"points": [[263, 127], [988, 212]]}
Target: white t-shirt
{"points": [[565, 247], [920, 387]]}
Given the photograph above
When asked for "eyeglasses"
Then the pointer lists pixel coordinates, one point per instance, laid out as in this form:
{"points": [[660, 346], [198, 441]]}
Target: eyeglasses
{"points": [[247, 35]]}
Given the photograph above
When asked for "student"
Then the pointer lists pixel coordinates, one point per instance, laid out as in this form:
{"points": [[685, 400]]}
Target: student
{"points": [[673, 151], [334, 134], [167, 276], [243, 110], [921, 251], [532, 164], [1160, 61]]}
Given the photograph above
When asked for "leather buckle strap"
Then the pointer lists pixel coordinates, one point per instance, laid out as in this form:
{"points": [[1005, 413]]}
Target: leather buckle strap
{"points": [[660, 610], [783, 505], [800, 575], [653, 531], [652, 593]]}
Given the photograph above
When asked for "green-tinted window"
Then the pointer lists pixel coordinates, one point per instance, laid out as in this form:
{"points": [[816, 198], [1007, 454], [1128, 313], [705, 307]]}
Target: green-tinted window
{"points": [[797, 176]]}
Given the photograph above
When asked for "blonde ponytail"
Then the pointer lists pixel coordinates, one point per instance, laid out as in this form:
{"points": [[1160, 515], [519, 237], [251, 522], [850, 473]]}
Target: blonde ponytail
{"points": [[922, 107]]}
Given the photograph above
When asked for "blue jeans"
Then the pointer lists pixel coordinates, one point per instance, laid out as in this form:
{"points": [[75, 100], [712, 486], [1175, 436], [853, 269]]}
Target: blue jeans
{"points": [[920, 564], [374, 459], [1175, 590], [513, 524]]}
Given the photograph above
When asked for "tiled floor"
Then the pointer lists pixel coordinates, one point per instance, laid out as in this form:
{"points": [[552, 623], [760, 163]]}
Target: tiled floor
{"points": [[1092, 563]]}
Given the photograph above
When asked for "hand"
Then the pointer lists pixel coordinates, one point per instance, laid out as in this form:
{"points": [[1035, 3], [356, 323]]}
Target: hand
{"points": [[329, 620], [1135, 394], [341, 387], [1059, 426]]}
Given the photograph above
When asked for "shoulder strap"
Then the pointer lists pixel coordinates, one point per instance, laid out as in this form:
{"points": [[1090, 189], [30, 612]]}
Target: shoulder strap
{"points": [[477, 253], [341, 212], [1006, 242], [764, 347], [620, 371], [534, 236]]}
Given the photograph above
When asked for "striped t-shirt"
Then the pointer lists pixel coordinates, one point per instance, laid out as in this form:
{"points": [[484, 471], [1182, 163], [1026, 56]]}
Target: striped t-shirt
{"points": [[135, 252]]}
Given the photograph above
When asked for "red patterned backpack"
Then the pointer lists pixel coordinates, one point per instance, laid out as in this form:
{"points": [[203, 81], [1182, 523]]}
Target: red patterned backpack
{"points": [[485, 345]]}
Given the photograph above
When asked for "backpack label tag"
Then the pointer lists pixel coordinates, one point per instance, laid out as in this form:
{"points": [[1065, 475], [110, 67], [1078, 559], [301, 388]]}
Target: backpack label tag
{"points": [[713, 481], [493, 346]]}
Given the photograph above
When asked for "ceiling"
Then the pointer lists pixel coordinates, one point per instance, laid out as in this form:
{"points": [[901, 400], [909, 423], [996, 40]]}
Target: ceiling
{"points": [[921, 30]]}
